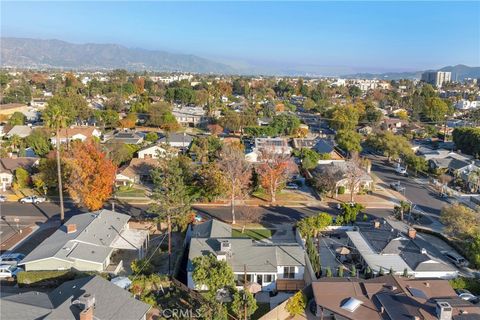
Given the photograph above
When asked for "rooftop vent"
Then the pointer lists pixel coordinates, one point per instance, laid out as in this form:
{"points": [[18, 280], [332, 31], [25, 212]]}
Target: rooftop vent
{"points": [[412, 233], [71, 228], [423, 251], [443, 310]]}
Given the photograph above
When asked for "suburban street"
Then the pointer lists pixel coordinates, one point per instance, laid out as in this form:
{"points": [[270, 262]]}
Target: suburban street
{"points": [[417, 190]]}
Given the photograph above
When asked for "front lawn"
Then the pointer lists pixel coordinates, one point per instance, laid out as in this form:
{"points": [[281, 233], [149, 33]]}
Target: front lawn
{"points": [[255, 234], [130, 193]]}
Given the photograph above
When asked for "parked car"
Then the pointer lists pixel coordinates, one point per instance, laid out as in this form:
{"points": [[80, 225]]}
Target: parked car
{"points": [[467, 295], [397, 186], [401, 171], [291, 186], [11, 258], [3, 198], [456, 259], [33, 199], [9, 271]]}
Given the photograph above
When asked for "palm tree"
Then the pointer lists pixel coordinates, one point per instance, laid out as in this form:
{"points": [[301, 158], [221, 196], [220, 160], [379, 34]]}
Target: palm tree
{"points": [[56, 116]]}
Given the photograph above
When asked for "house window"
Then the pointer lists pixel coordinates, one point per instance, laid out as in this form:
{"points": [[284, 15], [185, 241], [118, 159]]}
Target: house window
{"points": [[268, 278], [259, 279], [288, 272]]}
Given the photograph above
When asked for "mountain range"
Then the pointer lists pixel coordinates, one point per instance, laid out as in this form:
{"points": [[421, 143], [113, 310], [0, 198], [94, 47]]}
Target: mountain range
{"points": [[57, 54], [35, 53]]}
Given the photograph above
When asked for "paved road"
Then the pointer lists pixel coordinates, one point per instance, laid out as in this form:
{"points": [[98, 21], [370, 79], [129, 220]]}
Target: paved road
{"points": [[416, 190]]}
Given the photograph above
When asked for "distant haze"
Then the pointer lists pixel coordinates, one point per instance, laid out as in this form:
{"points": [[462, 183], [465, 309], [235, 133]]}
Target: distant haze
{"points": [[42, 54]]}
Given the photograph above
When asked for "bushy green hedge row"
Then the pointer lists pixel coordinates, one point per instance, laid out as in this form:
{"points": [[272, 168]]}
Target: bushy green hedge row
{"points": [[50, 278]]}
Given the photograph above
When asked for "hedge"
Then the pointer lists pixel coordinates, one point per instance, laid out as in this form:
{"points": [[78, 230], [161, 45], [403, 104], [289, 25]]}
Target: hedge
{"points": [[50, 278], [341, 190]]}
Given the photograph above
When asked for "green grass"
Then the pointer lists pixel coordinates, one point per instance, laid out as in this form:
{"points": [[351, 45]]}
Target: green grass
{"points": [[263, 309], [130, 193], [255, 234]]}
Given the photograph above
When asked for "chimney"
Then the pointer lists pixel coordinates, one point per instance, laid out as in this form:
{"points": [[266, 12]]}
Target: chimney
{"points": [[412, 233], [86, 314], [376, 224], [443, 310], [225, 246], [71, 228]]}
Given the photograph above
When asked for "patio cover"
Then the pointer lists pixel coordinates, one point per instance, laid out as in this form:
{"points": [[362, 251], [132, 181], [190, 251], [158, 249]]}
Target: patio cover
{"points": [[130, 239]]}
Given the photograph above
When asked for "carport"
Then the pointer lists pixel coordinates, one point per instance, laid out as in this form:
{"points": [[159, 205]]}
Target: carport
{"points": [[133, 239]]}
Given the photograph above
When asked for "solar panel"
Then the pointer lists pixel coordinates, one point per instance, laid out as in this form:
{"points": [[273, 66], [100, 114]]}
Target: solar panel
{"points": [[418, 293]]}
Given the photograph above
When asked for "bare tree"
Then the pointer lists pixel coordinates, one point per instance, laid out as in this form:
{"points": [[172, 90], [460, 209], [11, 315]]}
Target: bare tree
{"points": [[236, 170], [326, 178], [250, 214], [274, 170], [354, 173]]}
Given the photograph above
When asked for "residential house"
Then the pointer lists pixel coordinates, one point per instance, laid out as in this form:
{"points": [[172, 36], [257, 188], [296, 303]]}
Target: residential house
{"points": [[365, 130], [152, 152], [8, 167], [320, 145], [19, 130], [393, 124], [75, 133], [380, 246], [86, 298], [177, 140], [389, 297], [38, 103], [275, 145], [190, 116], [126, 137], [86, 242], [365, 182], [136, 172], [273, 266]]}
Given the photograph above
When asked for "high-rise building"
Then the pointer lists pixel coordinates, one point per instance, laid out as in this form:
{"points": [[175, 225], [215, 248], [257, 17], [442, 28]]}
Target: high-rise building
{"points": [[437, 78]]}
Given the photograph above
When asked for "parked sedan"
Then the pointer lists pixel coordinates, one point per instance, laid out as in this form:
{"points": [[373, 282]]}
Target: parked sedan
{"points": [[3, 198], [11, 258], [397, 186], [9, 271], [32, 199]]}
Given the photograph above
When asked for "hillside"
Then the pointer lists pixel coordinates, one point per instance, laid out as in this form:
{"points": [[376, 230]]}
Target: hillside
{"points": [[35, 53]]}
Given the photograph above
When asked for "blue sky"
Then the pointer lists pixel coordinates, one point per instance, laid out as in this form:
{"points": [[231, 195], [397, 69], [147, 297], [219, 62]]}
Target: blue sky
{"points": [[341, 36]]}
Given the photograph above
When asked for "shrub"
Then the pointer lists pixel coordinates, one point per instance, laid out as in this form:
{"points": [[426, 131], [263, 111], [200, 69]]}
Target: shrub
{"points": [[341, 190], [141, 267], [50, 278], [471, 284]]}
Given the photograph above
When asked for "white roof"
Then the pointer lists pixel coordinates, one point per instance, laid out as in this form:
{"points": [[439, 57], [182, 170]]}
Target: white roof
{"points": [[375, 260]]}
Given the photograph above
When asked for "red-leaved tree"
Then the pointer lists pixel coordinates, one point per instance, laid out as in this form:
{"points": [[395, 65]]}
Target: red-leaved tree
{"points": [[90, 175], [274, 170]]}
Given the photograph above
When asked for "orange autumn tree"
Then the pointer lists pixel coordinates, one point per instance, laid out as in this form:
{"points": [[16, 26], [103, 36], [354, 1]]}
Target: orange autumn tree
{"points": [[274, 170], [90, 174]]}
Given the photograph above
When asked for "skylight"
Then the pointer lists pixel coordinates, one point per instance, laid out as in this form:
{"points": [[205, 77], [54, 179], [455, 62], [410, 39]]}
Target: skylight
{"points": [[351, 304]]}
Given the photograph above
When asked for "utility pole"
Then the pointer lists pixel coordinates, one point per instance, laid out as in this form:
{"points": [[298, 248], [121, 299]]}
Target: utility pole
{"points": [[245, 291], [169, 243]]}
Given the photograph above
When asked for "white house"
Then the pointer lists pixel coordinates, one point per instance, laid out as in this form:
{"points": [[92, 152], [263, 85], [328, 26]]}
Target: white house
{"points": [[8, 167], [466, 104], [152, 152], [76, 133], [270, 266], [86, 243]]}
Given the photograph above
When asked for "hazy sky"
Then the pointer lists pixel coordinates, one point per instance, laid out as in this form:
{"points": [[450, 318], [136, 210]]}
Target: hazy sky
{"points": [[360, 36]]}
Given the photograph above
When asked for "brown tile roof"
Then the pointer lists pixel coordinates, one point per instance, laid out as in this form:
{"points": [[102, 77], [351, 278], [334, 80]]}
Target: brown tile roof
{"points": [[400, 298], [69, 132], [10, 164], [138, 167]]}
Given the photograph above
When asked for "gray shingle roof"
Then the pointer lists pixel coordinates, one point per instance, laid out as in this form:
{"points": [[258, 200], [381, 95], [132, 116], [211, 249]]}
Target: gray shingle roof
{"points": [[111, 302], [258, 257], [29, 305], [95, 232]]}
